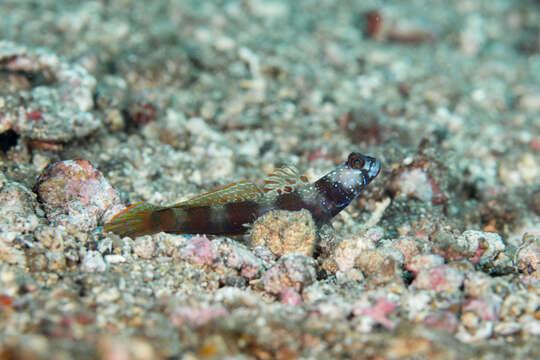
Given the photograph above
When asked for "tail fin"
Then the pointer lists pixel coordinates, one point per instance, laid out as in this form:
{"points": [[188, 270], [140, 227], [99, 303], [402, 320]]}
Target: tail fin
{"points": [[134, 221]]}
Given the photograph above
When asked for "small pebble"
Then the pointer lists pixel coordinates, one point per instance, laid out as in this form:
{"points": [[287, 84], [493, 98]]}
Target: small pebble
{"points": [[285, 232], [477, 284], [519, 172], [237, 256], [408, 247], [346, 253], [18, 207], [481, 247], [267, 257], [516, 304], [416, 183], [145, 247], [196, 316], [440, 278], [292, 271], [108, 295], [330, 309], [423, 262], [36, 260], [290, 297], [93, 262], [198, 250], [56, 261], [9, 254], [117, 348], [380, 265], [528, 257], [472, 329], [378, 312], [53, 238], [487, 309], [531, 325], [507, 328], [416, 303], [114, 259], [442, 320]]}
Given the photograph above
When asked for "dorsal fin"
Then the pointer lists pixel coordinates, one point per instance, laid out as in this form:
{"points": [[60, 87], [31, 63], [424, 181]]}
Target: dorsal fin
{"points": [[284, 180], [235, 192]]}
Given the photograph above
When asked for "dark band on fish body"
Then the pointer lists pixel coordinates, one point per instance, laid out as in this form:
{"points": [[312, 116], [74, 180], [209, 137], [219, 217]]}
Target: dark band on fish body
{"points": [[289, 201], [334, 196], [240, 213], [165, 217], [196, 220], [295, 201]]}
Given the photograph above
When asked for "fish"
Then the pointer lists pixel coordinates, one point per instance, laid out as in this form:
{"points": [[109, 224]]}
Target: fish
{"points": [[230, 209]]}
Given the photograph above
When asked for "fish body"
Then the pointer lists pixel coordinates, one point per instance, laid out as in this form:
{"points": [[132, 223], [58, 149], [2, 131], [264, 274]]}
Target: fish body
{"points": [[226, 210]]}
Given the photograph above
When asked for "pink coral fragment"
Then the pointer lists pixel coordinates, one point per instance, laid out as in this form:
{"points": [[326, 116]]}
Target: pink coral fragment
{"points": [[486, 309], [439, 278], [194, 316], [76, 194], [420, 262], [290, 297], [34, 115], [198, 250], [380, 311]]}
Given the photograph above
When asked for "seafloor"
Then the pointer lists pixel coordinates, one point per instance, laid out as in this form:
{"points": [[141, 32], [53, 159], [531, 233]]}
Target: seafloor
{"points": [[106, 103]]}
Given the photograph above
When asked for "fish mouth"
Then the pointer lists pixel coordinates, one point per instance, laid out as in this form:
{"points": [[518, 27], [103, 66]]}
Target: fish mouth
{"points": [[374, 169]]}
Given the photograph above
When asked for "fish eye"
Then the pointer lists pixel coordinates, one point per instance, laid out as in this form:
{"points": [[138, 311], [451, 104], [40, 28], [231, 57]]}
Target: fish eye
{"points": [[356, 162]]}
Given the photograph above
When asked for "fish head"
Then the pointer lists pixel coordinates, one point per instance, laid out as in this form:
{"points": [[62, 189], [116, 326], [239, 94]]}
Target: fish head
{"points": [[362, 167]]}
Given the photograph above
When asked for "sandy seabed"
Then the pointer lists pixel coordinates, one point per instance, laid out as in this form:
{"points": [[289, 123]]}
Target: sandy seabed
{"points": [[106, 103]]}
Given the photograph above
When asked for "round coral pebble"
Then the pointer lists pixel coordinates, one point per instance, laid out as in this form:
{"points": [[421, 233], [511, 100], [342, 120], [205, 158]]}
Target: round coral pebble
{"points": [[285, 232], [75, 194]]}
